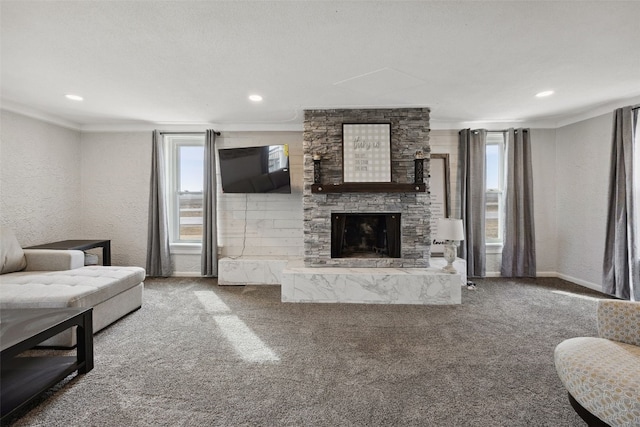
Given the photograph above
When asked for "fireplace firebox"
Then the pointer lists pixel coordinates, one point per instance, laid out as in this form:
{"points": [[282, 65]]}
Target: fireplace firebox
{"points": [[365, 235]]}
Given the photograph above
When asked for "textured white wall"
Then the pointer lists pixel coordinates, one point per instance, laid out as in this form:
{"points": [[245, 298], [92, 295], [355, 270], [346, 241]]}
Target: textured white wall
{"points": [[543, 158], [186, 264], [39, 180], [115, 192], [583, 153], [268, 225]]}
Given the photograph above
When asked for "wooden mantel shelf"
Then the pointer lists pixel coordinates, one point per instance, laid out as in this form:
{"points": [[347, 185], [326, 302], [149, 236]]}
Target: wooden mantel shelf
{"points": [[368, 187]]}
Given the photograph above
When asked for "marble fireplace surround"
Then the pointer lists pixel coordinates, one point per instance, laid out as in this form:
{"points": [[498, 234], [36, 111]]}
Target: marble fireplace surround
{"points": [[417, 286], [300, 284], [405, 280]]}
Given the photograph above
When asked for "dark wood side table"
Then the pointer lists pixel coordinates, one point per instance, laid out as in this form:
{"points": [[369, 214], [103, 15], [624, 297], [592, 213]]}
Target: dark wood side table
{"points": [[80, 245], [23, 379]]}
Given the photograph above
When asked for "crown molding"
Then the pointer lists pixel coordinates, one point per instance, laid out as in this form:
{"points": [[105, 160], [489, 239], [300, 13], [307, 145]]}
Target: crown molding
{"points": [[15, 107], [435, 123], [542, 123], [600, 110], [193, 127], [146, 127]]}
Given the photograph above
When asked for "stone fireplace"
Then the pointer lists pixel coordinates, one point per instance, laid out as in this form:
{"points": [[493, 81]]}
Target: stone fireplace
{"points": [[411, 240]]}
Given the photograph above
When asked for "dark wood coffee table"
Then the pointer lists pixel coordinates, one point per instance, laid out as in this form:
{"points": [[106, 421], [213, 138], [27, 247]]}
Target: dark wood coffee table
{"points": [[80, 245], [23, 379]]}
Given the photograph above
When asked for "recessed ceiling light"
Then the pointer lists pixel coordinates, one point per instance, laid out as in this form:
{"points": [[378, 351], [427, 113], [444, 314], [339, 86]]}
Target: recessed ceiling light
{"points": [[255, 98], [74, 97], [544, 93]]}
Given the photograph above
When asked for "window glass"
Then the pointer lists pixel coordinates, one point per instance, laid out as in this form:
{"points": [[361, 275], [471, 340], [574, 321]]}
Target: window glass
{"points": [[191, 168], [191, 160], [493, 167], [185, 174], [494, 185]]}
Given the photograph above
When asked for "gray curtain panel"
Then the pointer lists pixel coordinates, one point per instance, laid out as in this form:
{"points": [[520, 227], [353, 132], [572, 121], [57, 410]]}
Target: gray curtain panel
{"points": [[209, 259], [158, 254], [620, 266], [472, 149], [519, 248]]}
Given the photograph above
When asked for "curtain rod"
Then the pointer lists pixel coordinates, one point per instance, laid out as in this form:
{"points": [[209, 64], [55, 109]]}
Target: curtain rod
{"points": [[187, 133], [498, 131]]}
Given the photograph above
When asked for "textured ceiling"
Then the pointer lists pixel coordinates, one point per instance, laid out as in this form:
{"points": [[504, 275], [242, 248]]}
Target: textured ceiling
{"points": [[188, 62]]}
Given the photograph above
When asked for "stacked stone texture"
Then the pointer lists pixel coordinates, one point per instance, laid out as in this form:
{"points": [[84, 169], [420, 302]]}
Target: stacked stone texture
{"points": [[323, 135]]}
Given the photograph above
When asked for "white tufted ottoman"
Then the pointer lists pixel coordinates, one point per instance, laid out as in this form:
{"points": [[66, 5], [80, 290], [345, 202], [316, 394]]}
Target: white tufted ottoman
{"points": [[112, 292], [602, 375]]}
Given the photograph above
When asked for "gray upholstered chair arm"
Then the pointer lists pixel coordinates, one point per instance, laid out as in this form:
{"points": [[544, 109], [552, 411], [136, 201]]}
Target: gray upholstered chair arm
{"points": [[53, 259], [619, 321]]}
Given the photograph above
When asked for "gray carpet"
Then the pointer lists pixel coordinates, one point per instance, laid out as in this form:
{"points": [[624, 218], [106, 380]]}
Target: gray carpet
{"points": [[201, 355]]}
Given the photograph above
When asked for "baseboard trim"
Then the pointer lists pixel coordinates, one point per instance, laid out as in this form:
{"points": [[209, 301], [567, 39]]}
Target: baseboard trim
{"points": [[566, 277], [546, 274], [538, 274], [580, 282], [185, 274]]}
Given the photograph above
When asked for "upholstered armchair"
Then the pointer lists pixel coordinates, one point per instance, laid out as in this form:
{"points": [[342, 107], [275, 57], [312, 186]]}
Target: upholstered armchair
{"points": [[602, 375]]}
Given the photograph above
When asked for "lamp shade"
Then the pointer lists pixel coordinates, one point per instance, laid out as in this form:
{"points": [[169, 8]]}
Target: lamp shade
{"points": [[449, 229]]}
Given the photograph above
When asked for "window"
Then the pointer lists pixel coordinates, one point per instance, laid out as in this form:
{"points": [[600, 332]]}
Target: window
{"points": [[494, 187], [185, 176]]}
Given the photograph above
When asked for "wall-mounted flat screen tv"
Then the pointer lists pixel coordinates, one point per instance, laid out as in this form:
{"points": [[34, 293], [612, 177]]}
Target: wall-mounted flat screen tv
{"points": [[255, 169]]}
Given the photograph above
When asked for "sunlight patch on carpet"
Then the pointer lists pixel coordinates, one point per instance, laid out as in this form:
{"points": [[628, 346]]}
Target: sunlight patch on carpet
{"points": [[211, 302], [570, 294], [247, 344]]}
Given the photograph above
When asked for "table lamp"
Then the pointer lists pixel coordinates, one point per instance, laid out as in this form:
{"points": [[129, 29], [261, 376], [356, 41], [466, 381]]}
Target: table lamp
{"points": [[449, 231]]}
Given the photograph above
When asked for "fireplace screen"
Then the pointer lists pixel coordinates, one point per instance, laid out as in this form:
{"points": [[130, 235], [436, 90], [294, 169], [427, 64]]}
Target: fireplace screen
{"points": [[365, 235]]}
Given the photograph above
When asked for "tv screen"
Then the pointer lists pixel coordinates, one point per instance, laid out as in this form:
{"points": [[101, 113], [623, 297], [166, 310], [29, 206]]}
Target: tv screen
{"points": [[255, 169]]}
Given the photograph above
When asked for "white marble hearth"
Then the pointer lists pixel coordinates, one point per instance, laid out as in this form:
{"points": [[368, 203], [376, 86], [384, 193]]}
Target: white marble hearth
{"points": [[250, 271], [369, 285]]}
